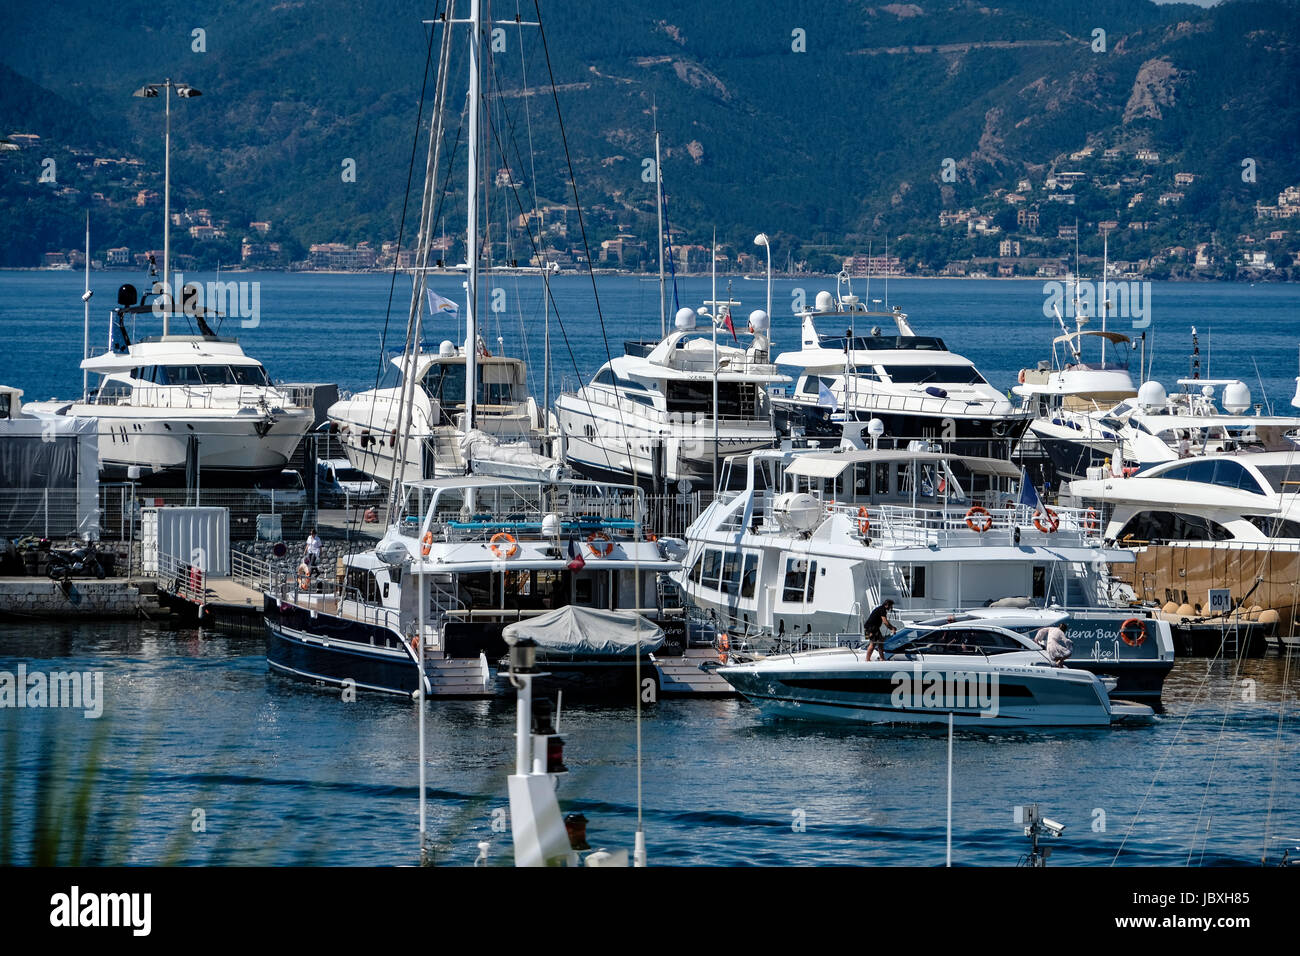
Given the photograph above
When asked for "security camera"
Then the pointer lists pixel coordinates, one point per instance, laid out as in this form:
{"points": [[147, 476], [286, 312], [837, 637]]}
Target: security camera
{"points": [[1052, 827]]}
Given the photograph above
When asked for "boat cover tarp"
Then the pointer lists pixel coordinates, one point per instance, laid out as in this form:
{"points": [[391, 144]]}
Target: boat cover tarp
{"points": [[588, 632], [49, 476]]}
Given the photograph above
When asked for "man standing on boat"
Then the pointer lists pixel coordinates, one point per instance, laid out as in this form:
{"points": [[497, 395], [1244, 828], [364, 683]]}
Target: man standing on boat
{"points": [[311, 552], [878, 619]]}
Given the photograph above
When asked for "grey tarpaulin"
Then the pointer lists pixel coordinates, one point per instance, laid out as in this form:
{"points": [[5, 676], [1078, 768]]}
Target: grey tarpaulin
{"points": [[49, 476], [587, 632]]}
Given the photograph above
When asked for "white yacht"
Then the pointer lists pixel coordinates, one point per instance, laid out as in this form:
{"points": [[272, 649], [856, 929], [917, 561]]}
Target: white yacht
{"points": [[1157, 426], [1063, 395], [1217, 521], [649, 416], [430, 391], [162, 401], [916, 387], [817, 539], [981, 675]]}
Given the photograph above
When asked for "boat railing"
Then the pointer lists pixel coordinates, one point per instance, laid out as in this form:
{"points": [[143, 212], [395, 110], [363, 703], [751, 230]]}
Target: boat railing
{"points": [[210, 396], [929, 404], [975, 526]]}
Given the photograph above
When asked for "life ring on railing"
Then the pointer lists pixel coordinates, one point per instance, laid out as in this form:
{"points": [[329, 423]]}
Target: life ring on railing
{"points": [[724, 645], [304, 577], [510, 549], [864, 521], [426, 544], [1052, 521], [1126, 627], [596, 549], [1091, 520], [1022, 376], [651, 536], [978, 511]]}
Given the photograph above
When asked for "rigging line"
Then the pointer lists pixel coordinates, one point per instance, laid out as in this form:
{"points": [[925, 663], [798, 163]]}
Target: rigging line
{"points": [[625, 431], [1165, 759], [1227, 701]]}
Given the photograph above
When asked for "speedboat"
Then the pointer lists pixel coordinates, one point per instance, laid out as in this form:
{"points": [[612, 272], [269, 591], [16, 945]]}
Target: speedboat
{"points": [[982, 675]]}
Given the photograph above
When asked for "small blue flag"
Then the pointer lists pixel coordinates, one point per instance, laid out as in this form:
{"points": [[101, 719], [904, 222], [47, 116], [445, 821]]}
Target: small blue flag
{"points": [[1028, 494]]}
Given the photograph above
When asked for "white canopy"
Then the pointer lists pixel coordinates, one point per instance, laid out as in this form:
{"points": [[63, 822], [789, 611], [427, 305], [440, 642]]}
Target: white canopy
{"points": [[588, 632]]}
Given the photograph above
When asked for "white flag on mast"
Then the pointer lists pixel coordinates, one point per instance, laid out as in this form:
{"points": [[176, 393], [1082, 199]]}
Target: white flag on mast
{"points": [[441, 306]]}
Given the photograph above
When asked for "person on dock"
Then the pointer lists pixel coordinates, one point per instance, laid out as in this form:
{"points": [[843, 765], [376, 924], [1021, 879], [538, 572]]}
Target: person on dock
{"points": [[872, 628]]}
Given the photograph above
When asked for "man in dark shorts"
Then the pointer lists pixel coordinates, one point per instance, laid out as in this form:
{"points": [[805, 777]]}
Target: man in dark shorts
{"points": [[879, 618]]}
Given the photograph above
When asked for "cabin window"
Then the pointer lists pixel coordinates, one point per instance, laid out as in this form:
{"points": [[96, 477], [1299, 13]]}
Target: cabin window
{"points": [[934, 374], [1285, 479], [1040, 582], [731, 573], [812, 581], [446, 383], [914, 579], [603, 377], [249, 375], [796, 577], [362, 585], [698, 569], [1215, 471], [1276, 527], [712, 569], [1149, 526], [749, 576], [216, 375]]}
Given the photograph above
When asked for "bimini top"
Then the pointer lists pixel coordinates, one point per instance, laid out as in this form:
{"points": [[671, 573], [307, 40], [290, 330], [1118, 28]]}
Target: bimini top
{"points": [[833, 464], [1114, 337]]}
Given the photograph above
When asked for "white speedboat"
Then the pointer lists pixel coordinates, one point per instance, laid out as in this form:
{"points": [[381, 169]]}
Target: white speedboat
{"points": [[649, 416], [982, 675], [913, 384], [163, 401]]}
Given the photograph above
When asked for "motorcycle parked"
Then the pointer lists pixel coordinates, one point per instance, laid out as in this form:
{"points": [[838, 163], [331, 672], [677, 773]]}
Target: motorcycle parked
{"points": [[67, 563]]}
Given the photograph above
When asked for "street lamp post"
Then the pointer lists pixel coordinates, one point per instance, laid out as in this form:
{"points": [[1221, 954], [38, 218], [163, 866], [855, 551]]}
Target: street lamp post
{"points": [[150, 92]]}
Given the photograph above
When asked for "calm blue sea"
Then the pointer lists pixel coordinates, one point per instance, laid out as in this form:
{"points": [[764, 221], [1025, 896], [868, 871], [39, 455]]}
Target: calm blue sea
{"points": [[283, 773], [328, 328]]}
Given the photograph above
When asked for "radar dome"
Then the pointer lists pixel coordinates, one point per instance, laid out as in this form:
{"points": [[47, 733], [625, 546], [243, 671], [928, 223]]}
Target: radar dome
{"points": [[685, 319], [552, 525], [875, 428], [825, 302], [1236, 398], [1151, 395], [758, 320], [446, 349]]}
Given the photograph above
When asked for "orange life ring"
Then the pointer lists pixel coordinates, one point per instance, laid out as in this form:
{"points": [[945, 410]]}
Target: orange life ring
{"points": [[415, 643], [511, 548], [864, 521], [1022, 376], [596, 549], [724, 646], [1091, 520], [1141, 632], [975, 512], [1052, 523], [426, 544], [651, 536], [304, 577]]}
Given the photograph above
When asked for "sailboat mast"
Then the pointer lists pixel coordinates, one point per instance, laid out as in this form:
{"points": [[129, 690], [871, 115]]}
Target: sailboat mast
{"points": [[471, 219], [659, 205], [85, 299]]}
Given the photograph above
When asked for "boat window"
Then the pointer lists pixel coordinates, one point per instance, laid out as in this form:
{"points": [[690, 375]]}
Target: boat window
{"points": [[1276, 527], [362, 585], [731, 573], [603, 377], [749, 577], [812, 384], [906, 343], [1155, 526], [446, 383], [249, 375], [217, 375], [934, 374], [1285, 479], [735, 399], [634, 391], [1223, 472], [812, 581], [796, 576], [698, 568], [712, 569], [179, 375], [914, 580]]}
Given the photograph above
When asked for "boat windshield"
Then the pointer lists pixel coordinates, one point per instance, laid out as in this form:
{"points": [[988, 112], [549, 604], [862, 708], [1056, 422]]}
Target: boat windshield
{"points": [[952, 640], [944, 374]]}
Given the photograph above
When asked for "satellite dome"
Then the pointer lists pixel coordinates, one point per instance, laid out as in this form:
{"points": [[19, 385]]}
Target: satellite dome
{"points": [[825, 302], [1236, 398], [1152, 395], [758, 320], [685, 319], [446, 349]]}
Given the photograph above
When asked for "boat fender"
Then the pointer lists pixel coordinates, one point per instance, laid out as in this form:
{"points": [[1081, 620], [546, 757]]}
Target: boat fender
{"points": [[426, 544]]}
